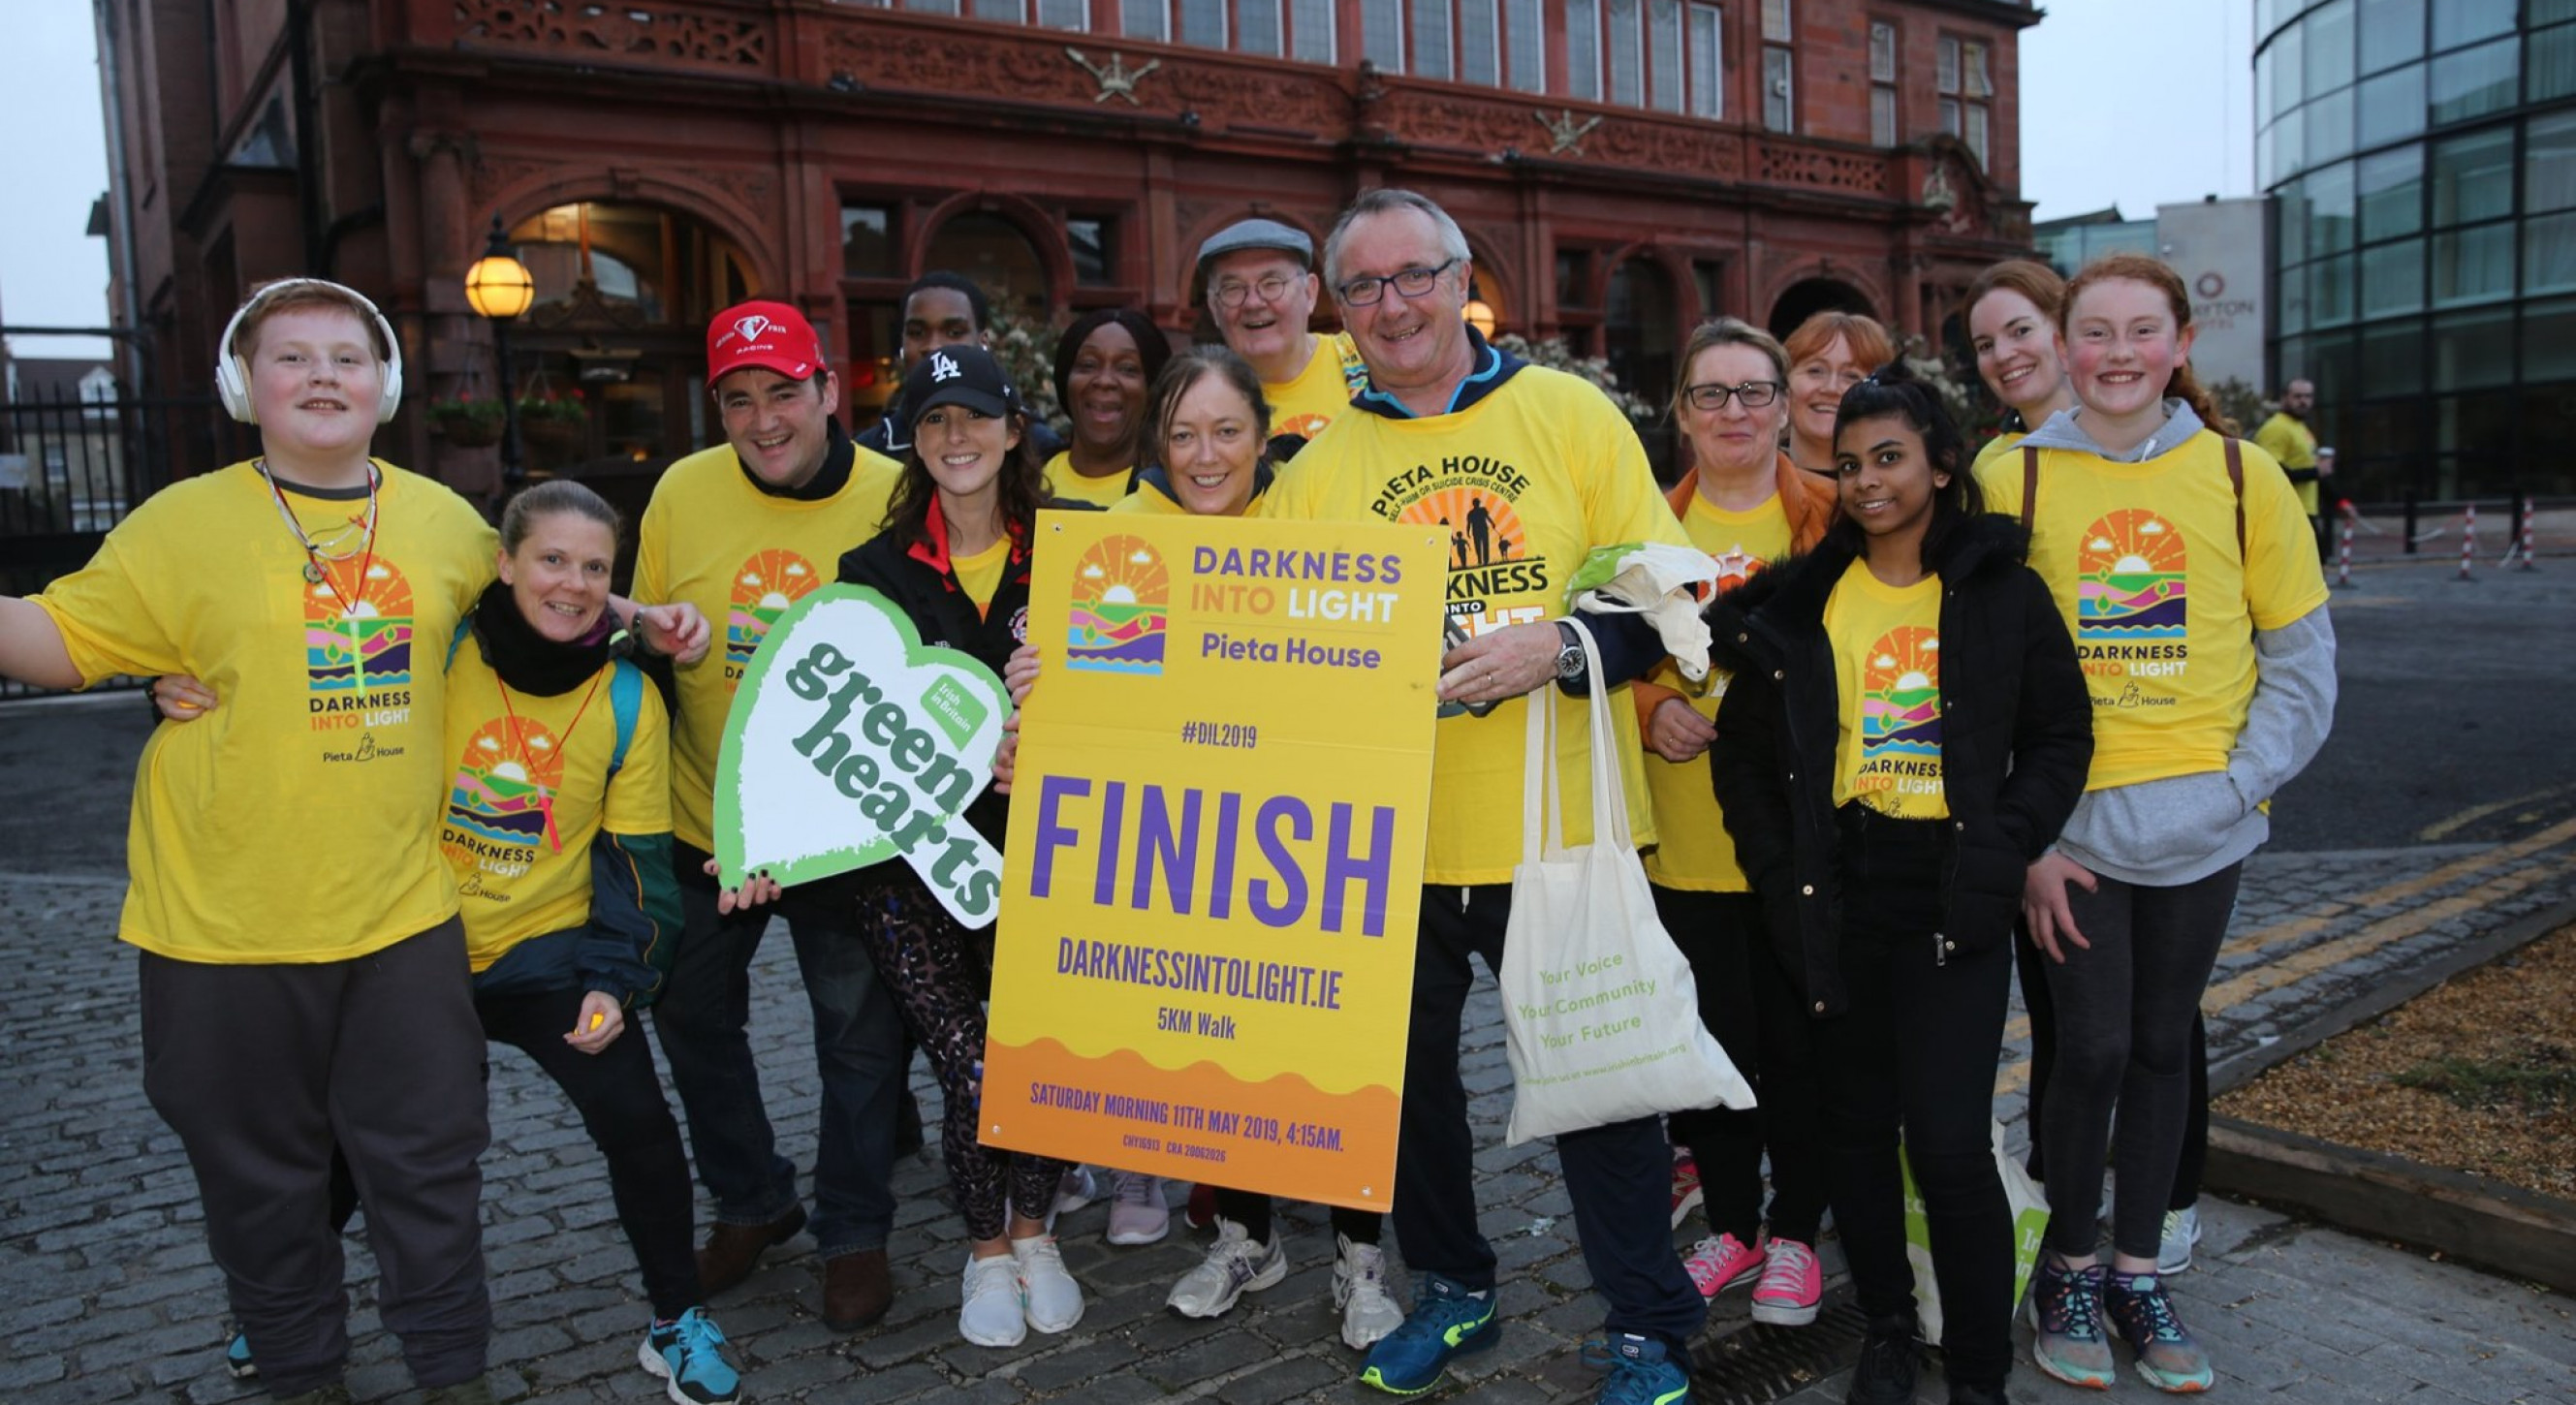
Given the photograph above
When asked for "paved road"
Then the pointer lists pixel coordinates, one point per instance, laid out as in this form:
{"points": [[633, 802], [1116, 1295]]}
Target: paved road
{"points": [[110, 1296]]}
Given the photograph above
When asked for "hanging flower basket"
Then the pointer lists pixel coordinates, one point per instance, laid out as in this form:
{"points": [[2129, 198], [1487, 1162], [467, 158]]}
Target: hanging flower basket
{"points": [[553, 420], [467, 424]]}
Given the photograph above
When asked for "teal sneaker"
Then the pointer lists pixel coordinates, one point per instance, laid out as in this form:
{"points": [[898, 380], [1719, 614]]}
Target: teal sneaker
{"points": [[2066, 1307], [689, 1356], [1446, 1321], [1642, 1372], [2143, 1314], [237, 1362]]}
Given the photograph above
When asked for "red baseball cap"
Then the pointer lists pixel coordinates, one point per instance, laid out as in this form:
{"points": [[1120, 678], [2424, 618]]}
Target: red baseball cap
{"points": [[770, 335]]}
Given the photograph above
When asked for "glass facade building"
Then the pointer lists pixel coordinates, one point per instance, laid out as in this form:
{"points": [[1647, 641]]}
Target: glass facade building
{"points": [[2422, 159]]}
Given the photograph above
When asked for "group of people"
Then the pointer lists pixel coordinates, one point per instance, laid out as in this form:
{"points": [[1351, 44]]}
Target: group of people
{"points": [[1853, 832]]}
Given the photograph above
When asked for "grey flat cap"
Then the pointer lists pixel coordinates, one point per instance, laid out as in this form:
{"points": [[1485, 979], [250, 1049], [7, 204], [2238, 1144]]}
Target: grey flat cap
{"points": [[1258, 234]]}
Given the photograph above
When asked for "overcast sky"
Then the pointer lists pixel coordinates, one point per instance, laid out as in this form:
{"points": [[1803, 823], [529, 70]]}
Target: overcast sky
{"points": [[2123, 102]]}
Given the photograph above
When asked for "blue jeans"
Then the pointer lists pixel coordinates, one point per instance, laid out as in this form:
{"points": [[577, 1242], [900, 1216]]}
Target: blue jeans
{"points": [[703, 1019]]}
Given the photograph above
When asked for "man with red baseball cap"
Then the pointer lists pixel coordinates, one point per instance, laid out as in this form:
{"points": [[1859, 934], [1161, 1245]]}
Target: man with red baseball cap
{"points": [[744, 530]]}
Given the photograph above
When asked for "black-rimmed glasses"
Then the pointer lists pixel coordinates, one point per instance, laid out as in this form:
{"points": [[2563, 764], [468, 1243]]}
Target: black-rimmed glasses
{"points": [[1710, 398], [1409, 282]]}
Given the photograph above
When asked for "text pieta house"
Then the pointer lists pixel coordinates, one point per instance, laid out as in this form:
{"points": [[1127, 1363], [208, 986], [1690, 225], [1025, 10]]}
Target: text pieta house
{"points": [[1622, 168]]}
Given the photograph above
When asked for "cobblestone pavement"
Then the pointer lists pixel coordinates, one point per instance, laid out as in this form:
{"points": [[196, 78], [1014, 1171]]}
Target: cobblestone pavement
{"points": [[112, 1298]]}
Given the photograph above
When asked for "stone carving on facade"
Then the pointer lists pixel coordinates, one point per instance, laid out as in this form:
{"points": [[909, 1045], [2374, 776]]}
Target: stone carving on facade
{"points": [[1116, 79], [1564, 134], [1784, 163], [1277, 102], [631, 29]]}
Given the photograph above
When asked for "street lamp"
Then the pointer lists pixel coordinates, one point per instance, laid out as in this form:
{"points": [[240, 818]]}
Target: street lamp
{"points": [[498, 288], [1480, 315]]}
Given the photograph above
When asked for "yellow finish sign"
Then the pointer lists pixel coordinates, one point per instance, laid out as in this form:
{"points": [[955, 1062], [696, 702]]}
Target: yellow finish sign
{"points": [[1205, 963]]}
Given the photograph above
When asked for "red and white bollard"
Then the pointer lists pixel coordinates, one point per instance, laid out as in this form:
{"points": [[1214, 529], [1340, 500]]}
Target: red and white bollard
{"points": [[2468, 541], [2343, 552], [2530, 511]]}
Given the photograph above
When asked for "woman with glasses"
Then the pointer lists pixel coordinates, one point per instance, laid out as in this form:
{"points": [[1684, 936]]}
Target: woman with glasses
{"points": [[1746, 505], [1829, 353]]}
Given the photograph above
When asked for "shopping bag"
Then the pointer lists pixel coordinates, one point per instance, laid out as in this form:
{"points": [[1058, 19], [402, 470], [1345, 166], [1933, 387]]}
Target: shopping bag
{"points": [[2029, 1223], [1600, 1015]]}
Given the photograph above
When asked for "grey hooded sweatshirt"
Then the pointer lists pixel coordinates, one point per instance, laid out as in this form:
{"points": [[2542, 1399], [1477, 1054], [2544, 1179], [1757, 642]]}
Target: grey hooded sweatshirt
{"points": [[2174, 831]]}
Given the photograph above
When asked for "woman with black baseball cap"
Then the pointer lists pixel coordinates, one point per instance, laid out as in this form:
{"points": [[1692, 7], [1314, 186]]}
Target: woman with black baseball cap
{"points": [[954, 557]]}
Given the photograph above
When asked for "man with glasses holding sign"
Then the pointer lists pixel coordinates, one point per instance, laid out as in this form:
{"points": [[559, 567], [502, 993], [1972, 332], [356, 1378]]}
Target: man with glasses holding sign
{"points": [[1524, 470]]}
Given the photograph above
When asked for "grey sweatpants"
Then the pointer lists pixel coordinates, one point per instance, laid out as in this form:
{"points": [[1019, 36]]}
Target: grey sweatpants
{"points": [[261, 1070]]}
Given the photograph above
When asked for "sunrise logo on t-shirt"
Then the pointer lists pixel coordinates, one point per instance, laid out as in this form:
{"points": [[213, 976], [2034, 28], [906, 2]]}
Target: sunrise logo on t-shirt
{"points": [[362, 644], [1489, 551], [762, 590], [1900, 709], [1122, 602], [500, 805], [2131, 574]]}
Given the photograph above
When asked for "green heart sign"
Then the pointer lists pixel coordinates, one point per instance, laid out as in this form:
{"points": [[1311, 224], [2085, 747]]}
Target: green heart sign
{"points": [[851, 743]]}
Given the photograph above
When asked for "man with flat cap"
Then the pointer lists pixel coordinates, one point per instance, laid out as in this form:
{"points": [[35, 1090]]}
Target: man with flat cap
{"points": [[1257, 279]]}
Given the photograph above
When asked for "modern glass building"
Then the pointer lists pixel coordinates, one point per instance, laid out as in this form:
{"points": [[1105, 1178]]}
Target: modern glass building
{"points": [[2422, 156]]}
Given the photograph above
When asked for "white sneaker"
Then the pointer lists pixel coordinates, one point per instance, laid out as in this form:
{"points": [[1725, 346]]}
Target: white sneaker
{"points": [[2182, 1231], [1137, 1214], [1234, 1266], [1075, 1189], [1050, 1298], [992, 1315], [1359, 1290]]}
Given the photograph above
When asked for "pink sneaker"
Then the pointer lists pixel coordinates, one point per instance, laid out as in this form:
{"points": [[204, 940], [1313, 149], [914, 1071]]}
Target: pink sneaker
{"points": [[1686, 1192], [1720, 1262], [1791, 1284]]}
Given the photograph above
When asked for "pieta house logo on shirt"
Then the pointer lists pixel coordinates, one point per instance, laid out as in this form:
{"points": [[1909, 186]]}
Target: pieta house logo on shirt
{"points": [[358, 630], [2130, 585], [502, 801], [762, 590], [1122, 602]]}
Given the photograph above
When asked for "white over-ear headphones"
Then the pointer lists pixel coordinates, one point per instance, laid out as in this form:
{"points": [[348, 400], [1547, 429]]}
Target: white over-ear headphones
{"points": [[232, 372]]}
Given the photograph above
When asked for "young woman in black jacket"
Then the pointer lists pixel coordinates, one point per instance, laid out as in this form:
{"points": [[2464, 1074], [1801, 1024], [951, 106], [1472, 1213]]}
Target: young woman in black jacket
{"points": [[954, 557], [1906, 730]]}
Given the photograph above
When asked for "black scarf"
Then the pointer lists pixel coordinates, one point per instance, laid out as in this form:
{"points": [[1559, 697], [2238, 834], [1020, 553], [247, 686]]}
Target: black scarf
{"points": [[840, 455], [531, 663]]}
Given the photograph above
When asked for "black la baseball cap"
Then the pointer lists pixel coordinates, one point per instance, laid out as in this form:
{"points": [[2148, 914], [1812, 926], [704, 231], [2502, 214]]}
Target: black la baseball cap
{"points": [[959, 375]]}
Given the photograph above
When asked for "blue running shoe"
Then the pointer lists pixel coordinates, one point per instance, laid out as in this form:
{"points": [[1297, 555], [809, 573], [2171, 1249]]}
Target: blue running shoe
{"points": [[2142, 1312], [1642, 1372], [689, 1356], [237, 1360], [1446, 1321]]}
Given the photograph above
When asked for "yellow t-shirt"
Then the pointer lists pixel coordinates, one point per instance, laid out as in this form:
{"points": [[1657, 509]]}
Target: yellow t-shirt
{"points": [[1153, 502], [981, 573], [1523, 483], [1995, 448], [1695, 852], [1064, 482], [295, 822], [1321, 392], [524, 801], [1887, 700], [742, 556], [2142, 559], [2288, 440]]}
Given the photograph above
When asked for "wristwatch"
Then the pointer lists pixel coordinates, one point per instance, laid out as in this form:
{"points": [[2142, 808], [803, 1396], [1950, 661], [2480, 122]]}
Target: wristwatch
{"points": [[1569, 656]]}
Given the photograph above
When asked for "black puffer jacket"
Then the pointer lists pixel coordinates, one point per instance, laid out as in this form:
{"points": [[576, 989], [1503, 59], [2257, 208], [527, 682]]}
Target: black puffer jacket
{"points": [[2016, 739]]}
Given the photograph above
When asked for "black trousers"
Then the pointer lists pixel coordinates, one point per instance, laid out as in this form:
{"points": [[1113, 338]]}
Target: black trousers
{"points": [[2125, 1007], [2042, 1008], [262, 1071], [1916, 1055], [1619, 1177], [1749, 1003], [620, 1101]]}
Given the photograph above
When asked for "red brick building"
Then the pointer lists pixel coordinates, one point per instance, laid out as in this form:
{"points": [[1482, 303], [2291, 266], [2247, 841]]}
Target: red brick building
{"points": [[1622, 167]]}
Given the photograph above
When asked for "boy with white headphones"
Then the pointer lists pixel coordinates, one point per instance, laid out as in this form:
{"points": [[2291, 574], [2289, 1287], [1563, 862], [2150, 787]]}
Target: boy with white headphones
{"points": [[302, 970]]}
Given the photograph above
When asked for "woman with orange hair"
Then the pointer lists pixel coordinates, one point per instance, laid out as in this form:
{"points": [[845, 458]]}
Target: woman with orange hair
{"points": [[2181, 560], [1829, 353]]}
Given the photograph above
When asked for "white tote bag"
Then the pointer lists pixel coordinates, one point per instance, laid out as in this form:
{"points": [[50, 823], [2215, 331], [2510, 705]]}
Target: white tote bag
{"points": [[1600, 1015]]}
